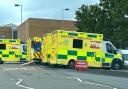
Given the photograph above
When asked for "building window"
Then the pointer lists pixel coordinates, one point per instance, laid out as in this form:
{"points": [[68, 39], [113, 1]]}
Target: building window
{"points": [[14, 34], [3, 36]]}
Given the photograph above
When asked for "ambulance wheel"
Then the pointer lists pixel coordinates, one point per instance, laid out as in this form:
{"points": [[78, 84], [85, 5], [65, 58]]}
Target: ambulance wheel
{"points": [[45, 64], [116, 65], [71, 64]]}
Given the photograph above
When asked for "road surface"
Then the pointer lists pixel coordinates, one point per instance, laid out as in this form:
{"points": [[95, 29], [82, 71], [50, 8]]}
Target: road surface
{"points": [[16, 76]]}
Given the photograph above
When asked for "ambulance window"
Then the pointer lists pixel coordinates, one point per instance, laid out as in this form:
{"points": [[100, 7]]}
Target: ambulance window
{"points": [[24, 48], [2, 46], [77, 43], [110, 48]]}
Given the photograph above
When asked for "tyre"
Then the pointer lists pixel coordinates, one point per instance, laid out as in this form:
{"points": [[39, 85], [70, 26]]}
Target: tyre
{"points": [[71, 64], [45, 64], [1, 62], [117, 65]]}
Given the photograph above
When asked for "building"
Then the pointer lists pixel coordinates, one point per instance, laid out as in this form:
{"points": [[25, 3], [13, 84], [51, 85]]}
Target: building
{"points": [[8, 31], [34, 27]]}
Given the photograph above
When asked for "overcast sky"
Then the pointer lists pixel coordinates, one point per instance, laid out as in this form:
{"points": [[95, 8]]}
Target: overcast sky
{"points": [[47, 9]]}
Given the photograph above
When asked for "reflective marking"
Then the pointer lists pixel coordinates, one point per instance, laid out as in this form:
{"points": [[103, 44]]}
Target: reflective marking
{"points": [[76, 78]]}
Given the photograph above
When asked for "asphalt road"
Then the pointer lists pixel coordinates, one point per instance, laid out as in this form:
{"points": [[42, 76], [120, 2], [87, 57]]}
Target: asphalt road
{"points": [[16, 76]]}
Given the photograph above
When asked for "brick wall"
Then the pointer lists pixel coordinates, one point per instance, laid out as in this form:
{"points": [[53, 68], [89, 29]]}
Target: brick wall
{"points": [[5, 32], [23, 31], [37, 27]]}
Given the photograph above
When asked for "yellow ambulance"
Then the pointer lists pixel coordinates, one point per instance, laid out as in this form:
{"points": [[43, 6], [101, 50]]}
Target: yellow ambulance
{"points": [[46, 48], [67, 47], [10, 50], [34, 49]]}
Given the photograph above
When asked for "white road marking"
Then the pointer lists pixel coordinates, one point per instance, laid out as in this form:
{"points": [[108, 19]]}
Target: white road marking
{"points": [[25, 87], [76, 78], [13, 69], [101, 85], [91, 83], [18, 84], [20, 80]]}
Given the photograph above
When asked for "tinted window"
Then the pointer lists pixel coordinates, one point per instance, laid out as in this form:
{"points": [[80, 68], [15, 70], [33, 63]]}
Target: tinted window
{"points": [[77, 43], [2, 46]]}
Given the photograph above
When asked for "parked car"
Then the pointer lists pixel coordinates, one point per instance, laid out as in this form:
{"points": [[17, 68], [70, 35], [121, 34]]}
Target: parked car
{"points": [[124, 53]]}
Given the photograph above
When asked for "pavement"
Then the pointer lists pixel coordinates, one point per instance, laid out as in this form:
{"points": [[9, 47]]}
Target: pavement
{"points": [[16, 76]]}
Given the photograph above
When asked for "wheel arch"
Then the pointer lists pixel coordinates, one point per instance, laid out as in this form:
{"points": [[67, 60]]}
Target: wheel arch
{"points": [[71, 60], [117, 60]]}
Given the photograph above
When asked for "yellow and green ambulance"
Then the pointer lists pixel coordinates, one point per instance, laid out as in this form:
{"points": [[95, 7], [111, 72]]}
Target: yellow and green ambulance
{"points": [[65, 47]]}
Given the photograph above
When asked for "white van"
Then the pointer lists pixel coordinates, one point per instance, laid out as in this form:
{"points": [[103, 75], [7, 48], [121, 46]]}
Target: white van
{"points": [[124, 54]]}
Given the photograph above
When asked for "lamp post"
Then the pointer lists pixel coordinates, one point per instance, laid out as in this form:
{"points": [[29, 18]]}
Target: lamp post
{"points": [[20, 5], [16, 5], [66, 9]]}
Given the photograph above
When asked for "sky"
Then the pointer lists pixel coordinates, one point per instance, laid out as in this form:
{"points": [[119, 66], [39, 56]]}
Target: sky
{"points": [[46, 9]]}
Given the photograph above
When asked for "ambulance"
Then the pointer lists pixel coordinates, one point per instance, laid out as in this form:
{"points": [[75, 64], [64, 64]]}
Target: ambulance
{"points": [[23, 50], [10, 50], [46, 48], [65, 47], [34, 49]]}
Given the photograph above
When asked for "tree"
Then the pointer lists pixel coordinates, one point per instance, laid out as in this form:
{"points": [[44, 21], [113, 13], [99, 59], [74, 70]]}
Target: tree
{"points": [[109, 17]]}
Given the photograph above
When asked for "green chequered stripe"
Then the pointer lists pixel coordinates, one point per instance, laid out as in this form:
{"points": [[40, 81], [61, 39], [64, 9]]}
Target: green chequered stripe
{"points": [[71, 52], [17, 56], [49, 55], [10, 53], [0, 52], [61, 56], [23, 53], [92, 35], [5, 55], [109, 55], [98, 59], [8, 40], [103, 59], [74, 54], [90, 54], [81, 57], [73, 34], [12, 40]]}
